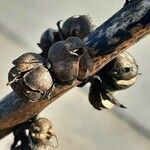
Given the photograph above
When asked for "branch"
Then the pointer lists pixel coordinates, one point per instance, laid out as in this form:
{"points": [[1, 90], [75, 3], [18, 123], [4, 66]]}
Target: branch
{"points": [[113, 37]]}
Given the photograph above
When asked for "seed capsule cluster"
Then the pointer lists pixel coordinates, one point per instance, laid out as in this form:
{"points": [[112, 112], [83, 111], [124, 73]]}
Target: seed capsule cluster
{"points": [[119, 74], [65, 58], [66, 51]]}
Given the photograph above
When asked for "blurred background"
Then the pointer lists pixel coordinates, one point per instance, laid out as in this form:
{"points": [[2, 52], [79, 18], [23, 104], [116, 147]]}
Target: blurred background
{"points": [[78, 125]]}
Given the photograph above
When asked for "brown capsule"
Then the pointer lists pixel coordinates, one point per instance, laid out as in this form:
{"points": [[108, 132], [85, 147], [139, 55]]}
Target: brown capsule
{"points": [[65, 57], [48, 38], [29, 78], [38, 79], [27, 62], [41, 131], [79, 26], [16, 83], [120, 73], [23, 64], [85, 66], [40, 136], [100, 97]]}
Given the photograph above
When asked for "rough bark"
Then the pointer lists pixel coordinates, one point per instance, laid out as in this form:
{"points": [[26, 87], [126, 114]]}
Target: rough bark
{"points": [[118, 33]]}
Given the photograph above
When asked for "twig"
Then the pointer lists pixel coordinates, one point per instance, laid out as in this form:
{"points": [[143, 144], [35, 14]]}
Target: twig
{"points": [[113, 37]]}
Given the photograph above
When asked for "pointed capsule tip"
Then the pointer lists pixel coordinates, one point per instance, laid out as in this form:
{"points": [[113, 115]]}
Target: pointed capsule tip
{"points": [[122, 106]]}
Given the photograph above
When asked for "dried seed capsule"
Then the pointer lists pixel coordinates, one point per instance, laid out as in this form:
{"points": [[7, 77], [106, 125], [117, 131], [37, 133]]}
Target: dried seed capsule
{"points": [[41, 132], [38, 79], [119, 74], [65, 58], [30, 78], [23, 64], [100, 97], [27, 62], [79, 26], [41, 129], [48, 38]]}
